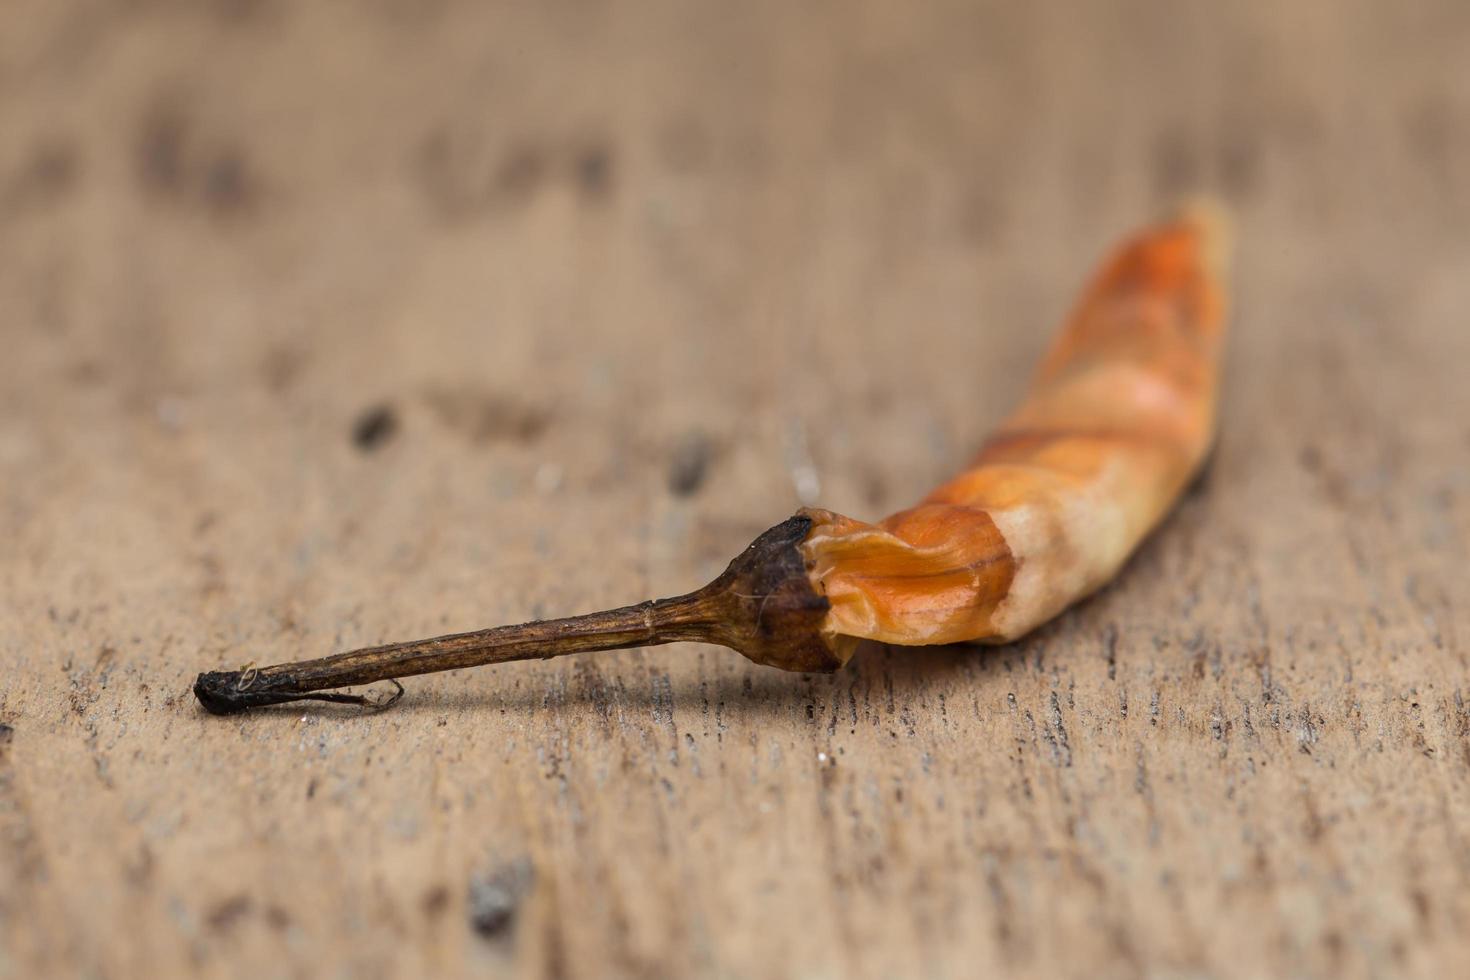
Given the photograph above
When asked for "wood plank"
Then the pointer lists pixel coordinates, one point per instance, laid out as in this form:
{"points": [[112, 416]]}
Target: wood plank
{"points": [[630, 281]]}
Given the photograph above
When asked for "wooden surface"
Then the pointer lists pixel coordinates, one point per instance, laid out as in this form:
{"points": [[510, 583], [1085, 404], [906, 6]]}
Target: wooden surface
{"points": [[631, 284]]}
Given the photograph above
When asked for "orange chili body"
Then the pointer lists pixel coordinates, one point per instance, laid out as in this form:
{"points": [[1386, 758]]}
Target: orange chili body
{"points": [[1119, 418]]}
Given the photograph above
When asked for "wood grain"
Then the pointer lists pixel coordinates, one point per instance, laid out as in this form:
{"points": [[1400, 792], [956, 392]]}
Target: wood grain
{"points": [[562, 243]]}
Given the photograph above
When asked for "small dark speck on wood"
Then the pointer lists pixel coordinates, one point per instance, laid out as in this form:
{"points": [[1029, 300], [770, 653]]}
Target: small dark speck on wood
{"points": [[6, 733], [227, 913], [51, 172], [521, 171], [594, 169], [228, 185], [436, 900], [495, 897], [374, 427], [689, 464]]}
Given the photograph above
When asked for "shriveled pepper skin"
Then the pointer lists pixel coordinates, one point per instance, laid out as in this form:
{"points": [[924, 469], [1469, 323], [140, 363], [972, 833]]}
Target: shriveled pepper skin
{"points": [[1119, 418]]}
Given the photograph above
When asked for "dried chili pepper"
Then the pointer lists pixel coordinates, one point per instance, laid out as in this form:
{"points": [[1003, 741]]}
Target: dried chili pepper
{"points": [[1119, 418]]}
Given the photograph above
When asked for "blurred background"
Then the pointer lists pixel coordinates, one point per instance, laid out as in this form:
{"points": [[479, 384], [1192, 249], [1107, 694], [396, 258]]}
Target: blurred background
{"points": [[331, 323]]}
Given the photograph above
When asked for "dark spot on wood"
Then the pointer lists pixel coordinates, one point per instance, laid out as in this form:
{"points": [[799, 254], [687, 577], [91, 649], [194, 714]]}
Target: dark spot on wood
{"points": [[54, 168], [139, 868], [1420, 901], [1175, 163], [1238, 161], [277, 918], [875, 487], [281, 367], [462, 177], [1056, 734], [594, 163], [484, 417], [689, 464], [879, 399], [980, 217], [374, 427], [1332, 484], [521, 171], [7, 733], [45, 179], [229, 912], [174, 164], [436, 900], [85, 373], [228, 185], [161, 150], [495, 897]]}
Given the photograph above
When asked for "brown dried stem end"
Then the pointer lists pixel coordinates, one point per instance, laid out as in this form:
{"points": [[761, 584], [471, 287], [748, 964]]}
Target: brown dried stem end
{"points": [[763, 605]]}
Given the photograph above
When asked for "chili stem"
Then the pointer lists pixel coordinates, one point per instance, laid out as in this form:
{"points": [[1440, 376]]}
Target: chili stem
{"points": [[763, 605]]}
